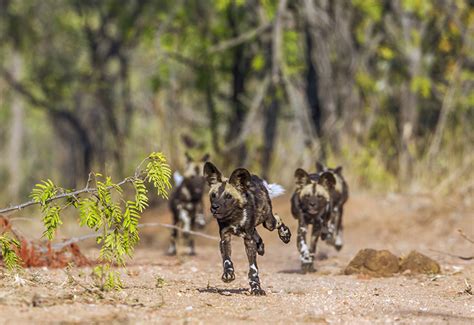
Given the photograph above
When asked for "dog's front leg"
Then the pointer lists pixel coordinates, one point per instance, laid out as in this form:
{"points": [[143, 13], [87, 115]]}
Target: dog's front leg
{"points": [[339, 229], [228, 275], [305, 256], [254, 280], [315, 233]]}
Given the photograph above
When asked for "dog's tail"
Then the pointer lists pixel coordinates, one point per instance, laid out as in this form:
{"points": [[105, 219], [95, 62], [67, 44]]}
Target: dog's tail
{"points": [[274, 190], [178, 178]]}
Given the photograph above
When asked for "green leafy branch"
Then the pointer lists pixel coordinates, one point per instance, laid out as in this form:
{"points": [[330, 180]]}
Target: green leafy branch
{"points": [[7, 247], [102, 207]]}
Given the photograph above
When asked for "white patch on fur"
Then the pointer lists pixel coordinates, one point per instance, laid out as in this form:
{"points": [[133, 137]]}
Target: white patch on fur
{"points": [[279, 223], [178, 178], [184, 217], [274, 190], [200, 219], [186, 192], [172, 249], [253, 267], [228, 265], [339, 241], [244, 217], [305, 257]]}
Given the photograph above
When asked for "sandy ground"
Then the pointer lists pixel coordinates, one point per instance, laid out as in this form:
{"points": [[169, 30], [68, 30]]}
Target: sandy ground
{"points": [[183, 289]]}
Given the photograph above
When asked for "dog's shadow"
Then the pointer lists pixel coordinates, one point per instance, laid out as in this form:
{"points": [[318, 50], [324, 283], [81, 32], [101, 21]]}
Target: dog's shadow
{"points": [[294, 271], [224, 292]]}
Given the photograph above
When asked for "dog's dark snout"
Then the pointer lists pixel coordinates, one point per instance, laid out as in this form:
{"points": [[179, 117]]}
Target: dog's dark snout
{"points": [[214, 207]]}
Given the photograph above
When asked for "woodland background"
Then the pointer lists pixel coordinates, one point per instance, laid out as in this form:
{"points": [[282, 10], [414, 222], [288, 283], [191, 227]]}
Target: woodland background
{"points": [[384, 88]]}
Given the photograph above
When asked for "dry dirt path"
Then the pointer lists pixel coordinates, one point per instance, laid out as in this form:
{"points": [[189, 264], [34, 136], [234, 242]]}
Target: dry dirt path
{"points": [[161, 289]]}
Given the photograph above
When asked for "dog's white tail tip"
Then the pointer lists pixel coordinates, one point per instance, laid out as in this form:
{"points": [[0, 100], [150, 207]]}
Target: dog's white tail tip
{"points": [[178, 178], [274, 190]]}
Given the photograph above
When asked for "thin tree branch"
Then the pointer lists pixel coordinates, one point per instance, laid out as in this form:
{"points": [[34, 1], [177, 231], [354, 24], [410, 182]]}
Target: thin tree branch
{"points": [[465, 258], [242, 38], [463, 235], [59, 246]]}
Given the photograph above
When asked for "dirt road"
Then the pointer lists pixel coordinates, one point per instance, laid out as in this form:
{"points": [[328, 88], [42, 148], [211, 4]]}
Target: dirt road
{"points": [[161, 289]]}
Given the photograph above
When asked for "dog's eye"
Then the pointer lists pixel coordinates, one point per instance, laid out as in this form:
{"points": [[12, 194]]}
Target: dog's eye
{"points": [[227, 196], [213, 195]]}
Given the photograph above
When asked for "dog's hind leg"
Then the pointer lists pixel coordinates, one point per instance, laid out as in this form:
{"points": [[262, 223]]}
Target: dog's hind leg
{"points": [[188, 225], [259, 241], [254, 280], [315, 233], [339, 242]]}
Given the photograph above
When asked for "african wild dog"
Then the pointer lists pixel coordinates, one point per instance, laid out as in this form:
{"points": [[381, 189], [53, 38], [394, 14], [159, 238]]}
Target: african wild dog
{"points": [[240, 204], [311, 205], [186, 202], [339, 197]]}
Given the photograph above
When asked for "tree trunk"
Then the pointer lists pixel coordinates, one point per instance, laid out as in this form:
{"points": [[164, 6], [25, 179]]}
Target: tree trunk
{"points": [[312, 90], [237, 118], [320, 56], [271, 123], [15, 144], [408, 123]]}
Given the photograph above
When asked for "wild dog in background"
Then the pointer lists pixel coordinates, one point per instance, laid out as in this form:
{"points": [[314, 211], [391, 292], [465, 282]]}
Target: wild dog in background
{"points": [[311, 204], [240, 204], [186, 202], [339, 197]]}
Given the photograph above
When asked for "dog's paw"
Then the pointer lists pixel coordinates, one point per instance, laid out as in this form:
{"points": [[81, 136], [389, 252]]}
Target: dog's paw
{"points": [[284, 233], [228, 276], [307, 268], [257, 291], [171, 251]]}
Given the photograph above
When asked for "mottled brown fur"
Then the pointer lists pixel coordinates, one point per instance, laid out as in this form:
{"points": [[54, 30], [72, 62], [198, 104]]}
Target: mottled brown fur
{"points": [[339, 196], [186, 203], [240, 204], [311, 205]]}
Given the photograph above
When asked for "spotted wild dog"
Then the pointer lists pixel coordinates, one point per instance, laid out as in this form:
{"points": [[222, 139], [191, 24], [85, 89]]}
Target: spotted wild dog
{"points": [[241, 203], [186, 202], [311, 205], [339, 197]]}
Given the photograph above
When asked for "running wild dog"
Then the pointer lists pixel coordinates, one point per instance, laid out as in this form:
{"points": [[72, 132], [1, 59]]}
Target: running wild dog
{"points": [[311, 204], [240, 204], [186, 202], [339, 197]]}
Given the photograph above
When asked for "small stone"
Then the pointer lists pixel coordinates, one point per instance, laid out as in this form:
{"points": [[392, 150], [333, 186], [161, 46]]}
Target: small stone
{"points": [[374, 263], [417, 263]]}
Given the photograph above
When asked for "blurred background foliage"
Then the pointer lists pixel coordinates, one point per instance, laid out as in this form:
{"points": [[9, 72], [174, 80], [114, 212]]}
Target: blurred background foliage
{"points": [[384, 88]]}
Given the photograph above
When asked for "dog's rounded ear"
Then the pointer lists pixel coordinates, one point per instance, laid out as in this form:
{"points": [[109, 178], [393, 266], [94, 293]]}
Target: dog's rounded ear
{"points": [[327, 180], [301, 177], [338, 170], [240, 178], [188, 157], [205, 157], [320, 166], [212, 174]]}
